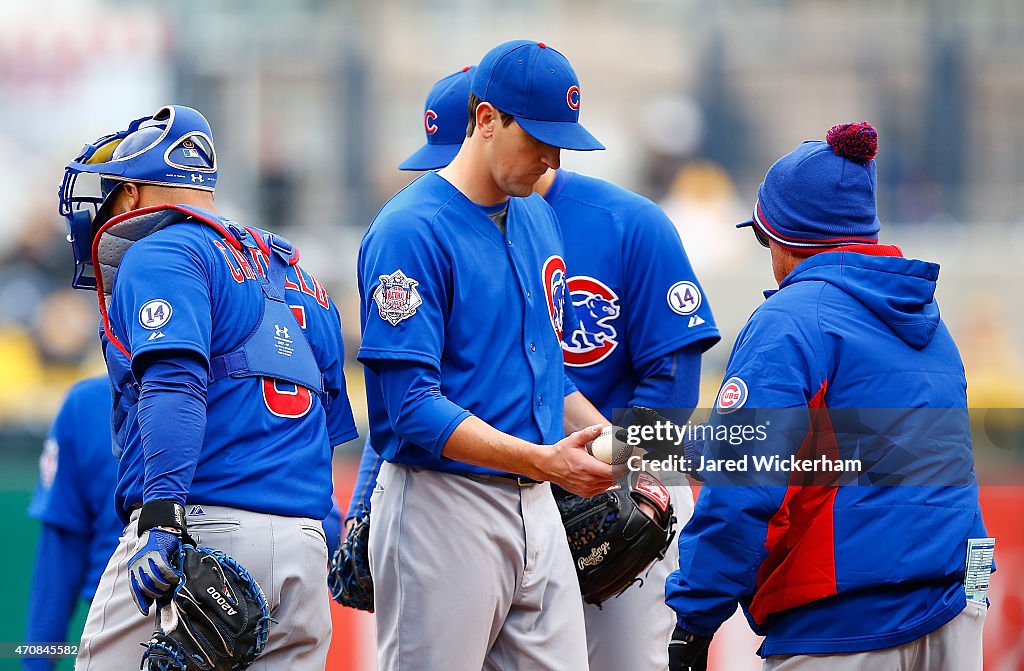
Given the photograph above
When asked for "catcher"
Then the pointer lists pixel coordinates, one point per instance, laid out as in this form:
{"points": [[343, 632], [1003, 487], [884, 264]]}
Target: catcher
{"points": [[225, 363]]}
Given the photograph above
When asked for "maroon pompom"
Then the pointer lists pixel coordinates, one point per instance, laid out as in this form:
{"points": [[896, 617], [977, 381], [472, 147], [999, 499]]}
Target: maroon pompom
{"points": [[855, 141]]}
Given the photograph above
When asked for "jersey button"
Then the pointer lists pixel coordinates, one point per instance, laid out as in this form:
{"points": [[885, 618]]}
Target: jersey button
{"points": [[533, 348], [540, 401]]}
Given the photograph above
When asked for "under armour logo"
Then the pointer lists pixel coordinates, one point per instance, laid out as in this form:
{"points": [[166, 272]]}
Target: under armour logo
{"points": [[281, 331], [197, 178]]}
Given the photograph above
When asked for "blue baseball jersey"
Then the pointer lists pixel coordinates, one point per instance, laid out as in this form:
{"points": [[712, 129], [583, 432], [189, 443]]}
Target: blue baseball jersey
{"points": [[633, 290], [442, 287], [77, 472], [268, 444]]}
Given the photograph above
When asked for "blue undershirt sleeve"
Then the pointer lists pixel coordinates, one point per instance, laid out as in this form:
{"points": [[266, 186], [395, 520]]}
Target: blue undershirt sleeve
{"points": [[369, 465], [172, 421], [420, 413], [332, 528], [61, 563], [671, 384]]}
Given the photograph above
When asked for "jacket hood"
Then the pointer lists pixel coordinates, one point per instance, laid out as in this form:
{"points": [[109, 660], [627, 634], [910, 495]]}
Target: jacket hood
{"points": [[899, 291]]}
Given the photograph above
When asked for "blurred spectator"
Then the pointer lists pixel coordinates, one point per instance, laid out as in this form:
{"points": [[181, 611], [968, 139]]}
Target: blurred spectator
{"points": [[35, 265], [703, 205]]}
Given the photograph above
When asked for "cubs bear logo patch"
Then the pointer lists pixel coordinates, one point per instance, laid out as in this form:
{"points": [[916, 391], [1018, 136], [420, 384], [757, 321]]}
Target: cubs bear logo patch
{"points": [[396, 297], [555, 291], [597, 307]]}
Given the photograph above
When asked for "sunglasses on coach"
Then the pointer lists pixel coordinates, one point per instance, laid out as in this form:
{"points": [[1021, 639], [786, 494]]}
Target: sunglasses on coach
{"points": [[762, 239]]}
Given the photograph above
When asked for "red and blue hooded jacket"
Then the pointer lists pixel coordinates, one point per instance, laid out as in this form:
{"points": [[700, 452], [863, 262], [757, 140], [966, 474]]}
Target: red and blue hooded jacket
{"points": [[849, 359]]}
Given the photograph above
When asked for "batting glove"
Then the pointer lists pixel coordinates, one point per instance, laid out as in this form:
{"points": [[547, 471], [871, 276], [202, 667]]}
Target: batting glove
{"points": [[687, 652], [152, 570]]}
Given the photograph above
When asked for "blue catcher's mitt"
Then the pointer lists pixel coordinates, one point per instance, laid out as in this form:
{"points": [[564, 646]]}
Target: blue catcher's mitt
{"points": [[217, 619], [349, 579]]}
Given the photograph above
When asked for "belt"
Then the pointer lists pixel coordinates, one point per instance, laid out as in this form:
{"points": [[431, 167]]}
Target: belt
{"points": [[518, 480]]}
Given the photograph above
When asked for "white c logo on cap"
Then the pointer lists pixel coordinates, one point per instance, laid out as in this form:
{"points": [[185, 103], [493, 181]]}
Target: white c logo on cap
{"points": [[428, 121]]}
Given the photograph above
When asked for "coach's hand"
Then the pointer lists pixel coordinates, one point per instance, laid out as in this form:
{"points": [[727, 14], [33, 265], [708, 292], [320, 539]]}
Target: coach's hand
{"points": [[687, 652], [568, 465]]}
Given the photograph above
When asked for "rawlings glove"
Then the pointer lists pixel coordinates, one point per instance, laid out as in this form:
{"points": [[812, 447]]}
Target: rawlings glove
{"points": [[217, 619], [612, 539], [349, 578], [687, 652], [151, 570]]}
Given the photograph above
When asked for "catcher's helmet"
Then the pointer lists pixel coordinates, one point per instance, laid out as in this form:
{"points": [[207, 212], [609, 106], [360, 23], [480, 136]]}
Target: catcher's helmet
{"points": [[173, 147]]}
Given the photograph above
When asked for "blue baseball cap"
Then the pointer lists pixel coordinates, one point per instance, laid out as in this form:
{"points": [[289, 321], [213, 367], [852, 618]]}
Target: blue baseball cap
{"points": [[538, 87], [445, 117]]}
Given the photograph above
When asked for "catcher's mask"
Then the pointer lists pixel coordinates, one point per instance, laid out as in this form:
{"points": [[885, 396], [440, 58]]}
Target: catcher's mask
{"points": [[173, 147]]}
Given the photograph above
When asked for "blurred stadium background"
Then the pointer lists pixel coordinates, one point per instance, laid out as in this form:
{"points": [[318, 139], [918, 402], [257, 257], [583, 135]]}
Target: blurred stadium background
{"points": [[314, 102]]}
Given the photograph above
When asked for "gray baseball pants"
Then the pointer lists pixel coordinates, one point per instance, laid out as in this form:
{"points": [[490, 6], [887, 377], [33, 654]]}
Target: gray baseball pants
{"points": [[956, 646], [472, 573]]}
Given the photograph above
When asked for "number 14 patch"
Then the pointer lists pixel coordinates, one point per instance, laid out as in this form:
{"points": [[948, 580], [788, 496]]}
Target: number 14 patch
{"points": [[684, 298], [154, 314]]}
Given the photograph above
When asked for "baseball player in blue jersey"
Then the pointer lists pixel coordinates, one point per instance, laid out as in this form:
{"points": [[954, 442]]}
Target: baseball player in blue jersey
{"points": [[463, 306], [225, 360], [848, 358], [644, 322], [638, 342], [74, 500]]}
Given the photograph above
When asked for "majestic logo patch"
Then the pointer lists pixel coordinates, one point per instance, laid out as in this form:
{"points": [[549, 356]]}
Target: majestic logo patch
{"points": [[396, 297], [572, 97], [555, 290], [596, 307], [430, 121], [732, 396], [684, 298], [154, 314]]}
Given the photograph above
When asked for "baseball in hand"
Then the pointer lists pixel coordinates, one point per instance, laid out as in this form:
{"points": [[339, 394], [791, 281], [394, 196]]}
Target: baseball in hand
{"points": [[608, 448]]}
